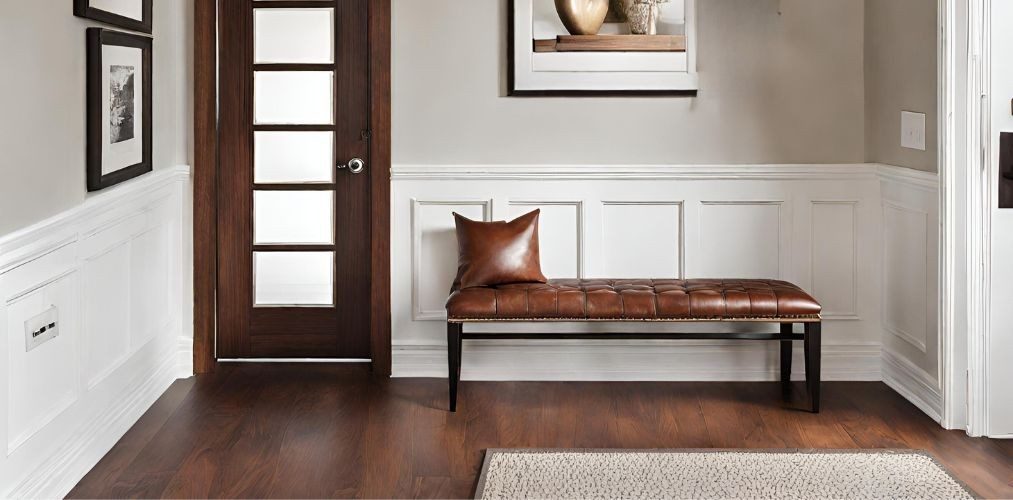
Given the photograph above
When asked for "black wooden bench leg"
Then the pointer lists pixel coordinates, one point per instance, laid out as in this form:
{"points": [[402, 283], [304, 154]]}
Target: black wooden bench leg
{"points": [[454, 360], [812, 364], [786, 359]]}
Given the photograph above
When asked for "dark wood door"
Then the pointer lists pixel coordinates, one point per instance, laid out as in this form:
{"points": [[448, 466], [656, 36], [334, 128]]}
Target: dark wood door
{"points": [[294, 207]]}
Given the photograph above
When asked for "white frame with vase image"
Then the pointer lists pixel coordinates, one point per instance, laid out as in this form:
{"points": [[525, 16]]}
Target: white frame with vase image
{"points": [[538, 73]]}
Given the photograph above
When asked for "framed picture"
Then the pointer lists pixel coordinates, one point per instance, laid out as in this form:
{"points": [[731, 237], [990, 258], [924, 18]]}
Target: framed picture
{"points": [[119, 107], [622, 55], [127, 14]]}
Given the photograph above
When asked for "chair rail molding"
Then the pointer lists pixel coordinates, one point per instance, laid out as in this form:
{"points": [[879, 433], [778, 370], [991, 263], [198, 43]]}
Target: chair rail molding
{"points": [[820, 225], [113, 267]]}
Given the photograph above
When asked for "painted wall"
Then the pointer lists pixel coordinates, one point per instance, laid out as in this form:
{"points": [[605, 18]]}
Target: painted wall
{"points": [[780, 82], [42, 133], [900, 75]]}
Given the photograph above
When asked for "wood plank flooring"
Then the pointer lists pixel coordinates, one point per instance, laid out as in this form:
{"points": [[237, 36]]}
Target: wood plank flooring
{"points": [[258, 431]]}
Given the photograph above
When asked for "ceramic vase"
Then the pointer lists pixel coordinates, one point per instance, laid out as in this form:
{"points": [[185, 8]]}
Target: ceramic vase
{"points": [[643, 18], [582, 17]]}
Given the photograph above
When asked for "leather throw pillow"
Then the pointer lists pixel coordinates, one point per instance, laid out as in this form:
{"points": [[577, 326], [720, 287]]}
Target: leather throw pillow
{"points": [[494, 253]]}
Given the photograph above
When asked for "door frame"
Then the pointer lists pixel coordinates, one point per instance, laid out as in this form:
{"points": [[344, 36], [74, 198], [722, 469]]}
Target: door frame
{"points": [[205, 184], [965, 209]]}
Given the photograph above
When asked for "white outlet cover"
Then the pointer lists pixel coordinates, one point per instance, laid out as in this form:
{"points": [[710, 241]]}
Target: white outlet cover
{"points": [[42, 328], [912, 130]]}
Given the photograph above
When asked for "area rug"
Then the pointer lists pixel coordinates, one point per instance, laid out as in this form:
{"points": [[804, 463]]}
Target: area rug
{"points": [[566, 474]]}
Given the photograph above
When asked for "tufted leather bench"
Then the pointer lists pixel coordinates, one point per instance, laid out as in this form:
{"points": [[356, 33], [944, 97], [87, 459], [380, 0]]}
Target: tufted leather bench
{"points": [[643, 300]]}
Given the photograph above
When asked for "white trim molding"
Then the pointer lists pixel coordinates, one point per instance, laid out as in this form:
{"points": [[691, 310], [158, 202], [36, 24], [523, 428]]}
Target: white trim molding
{"points": [[965, 211], [830, 314], [917, 386], [113, 269], [419, 313], [842, 171], [65, 467], [628, 361], [767, 231], [910, 296]]}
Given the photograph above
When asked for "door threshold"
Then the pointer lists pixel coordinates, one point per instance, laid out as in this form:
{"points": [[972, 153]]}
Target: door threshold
{"points": [[295, 360]]}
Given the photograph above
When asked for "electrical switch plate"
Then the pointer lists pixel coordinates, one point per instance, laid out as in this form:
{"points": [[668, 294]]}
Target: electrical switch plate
{"points": [[42, 328], [912, 130]]}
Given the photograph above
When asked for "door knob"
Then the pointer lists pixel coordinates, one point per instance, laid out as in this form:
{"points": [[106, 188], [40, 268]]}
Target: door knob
{"points": [[355, 165]]}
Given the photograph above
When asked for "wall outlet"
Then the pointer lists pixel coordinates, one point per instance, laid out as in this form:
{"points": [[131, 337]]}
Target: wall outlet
{"points": [[42, 328], [912, 130]]}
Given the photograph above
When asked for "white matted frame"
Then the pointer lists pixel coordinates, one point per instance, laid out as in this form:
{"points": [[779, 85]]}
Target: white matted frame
{"points": [[596, 73]]}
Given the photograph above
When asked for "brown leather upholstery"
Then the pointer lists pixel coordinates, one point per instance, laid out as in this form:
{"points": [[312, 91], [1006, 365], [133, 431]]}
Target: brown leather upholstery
{"points": [[635, 300], [493, 253]]}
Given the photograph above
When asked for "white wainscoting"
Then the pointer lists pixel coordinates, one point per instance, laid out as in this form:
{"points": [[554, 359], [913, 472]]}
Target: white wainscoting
{"points": [[820, 226], [912, 357], [113, 267]]}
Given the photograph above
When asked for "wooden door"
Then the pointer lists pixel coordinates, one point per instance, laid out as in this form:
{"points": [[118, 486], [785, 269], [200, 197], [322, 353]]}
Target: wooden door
{"points": [[294, 181]]}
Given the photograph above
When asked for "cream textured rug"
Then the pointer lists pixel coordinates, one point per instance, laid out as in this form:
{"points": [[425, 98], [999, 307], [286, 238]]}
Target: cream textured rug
{"points": [[550, 474]]}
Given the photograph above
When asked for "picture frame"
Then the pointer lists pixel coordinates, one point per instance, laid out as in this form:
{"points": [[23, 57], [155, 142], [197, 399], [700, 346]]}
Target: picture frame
{"points": [[119, 107], [542, 63], [134, 15]]}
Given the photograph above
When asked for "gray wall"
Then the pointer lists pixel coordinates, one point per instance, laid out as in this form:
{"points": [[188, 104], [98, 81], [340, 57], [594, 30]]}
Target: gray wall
{"points": [[900, 75], [42, 98], [774, 88], [789, 81]]}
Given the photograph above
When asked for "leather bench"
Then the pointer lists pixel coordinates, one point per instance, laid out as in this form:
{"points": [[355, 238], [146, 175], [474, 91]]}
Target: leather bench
{"points": [[636, 300]]}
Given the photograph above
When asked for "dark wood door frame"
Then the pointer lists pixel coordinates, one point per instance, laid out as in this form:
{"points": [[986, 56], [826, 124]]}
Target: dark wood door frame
{"points": [[205, 184]]}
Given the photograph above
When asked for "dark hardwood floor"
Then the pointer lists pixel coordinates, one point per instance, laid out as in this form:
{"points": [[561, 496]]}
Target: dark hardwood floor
{"points": [[334, 431]]}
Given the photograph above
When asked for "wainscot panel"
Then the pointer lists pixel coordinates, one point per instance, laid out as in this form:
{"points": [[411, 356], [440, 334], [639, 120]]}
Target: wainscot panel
{"points": [[109, 272], [820, 226], [910, 278]]}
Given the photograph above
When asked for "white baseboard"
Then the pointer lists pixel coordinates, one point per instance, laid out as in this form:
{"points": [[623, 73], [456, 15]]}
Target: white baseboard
{"points": [[632, 361], [76, 457], [913, 383], [185, 357], [113, 270]]}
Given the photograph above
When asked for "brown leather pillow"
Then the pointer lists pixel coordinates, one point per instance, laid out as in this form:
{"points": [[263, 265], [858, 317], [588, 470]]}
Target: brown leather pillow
{"points": [[494, 253]]}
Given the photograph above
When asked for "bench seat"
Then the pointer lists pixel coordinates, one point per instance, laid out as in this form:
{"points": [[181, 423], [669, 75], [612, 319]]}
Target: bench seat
{"points": [[660, 300], [691, 300]]}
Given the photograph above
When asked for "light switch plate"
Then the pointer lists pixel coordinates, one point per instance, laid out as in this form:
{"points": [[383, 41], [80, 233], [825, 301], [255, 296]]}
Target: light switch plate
{"points": [[42, 328], [912, 130]]}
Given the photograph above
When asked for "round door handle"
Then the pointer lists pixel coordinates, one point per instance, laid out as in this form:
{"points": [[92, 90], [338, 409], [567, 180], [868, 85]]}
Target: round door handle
{"points": [[356, 165]]}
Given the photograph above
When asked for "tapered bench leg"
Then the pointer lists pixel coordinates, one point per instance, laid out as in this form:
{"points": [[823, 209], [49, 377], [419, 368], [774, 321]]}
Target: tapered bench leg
{"points": [[812, 364], [786, 359], [454, 360]]}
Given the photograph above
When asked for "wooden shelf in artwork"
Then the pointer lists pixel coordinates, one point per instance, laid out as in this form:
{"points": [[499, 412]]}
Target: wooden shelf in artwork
{"points": [[612, 43]]}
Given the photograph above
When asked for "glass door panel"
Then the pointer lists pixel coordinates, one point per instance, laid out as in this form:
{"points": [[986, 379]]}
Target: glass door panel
{"points": [[293, 217], [293, 278], [293, 97], [293, 157], [293, 36]]}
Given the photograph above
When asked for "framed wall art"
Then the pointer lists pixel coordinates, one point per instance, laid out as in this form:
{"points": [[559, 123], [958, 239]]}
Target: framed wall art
{"points": [[127, 14], [602, 47], [119, 107]]}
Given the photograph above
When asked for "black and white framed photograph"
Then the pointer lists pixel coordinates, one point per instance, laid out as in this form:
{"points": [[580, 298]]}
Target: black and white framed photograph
{"points": [[602, 47], [127, 14], [119, 107]]}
